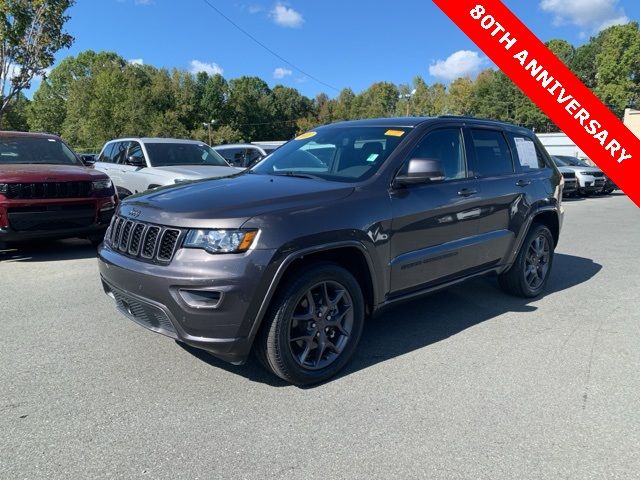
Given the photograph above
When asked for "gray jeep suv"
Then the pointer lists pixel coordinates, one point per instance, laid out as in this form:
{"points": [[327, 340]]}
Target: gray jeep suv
{"points": [[290, 257]]}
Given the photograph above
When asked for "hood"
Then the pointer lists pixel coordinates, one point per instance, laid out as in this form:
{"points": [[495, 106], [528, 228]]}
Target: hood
{"points": [[229, 202], [196, 172], [571, 168], [25, 173], [566, 169]]}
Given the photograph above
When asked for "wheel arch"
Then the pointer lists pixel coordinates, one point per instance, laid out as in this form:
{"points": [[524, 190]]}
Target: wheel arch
{"points": [[351, 255]]}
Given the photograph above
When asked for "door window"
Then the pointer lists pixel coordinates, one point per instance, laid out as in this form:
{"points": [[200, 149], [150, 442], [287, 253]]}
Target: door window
{"points": [[446, 146], [493, 156], [107, 154], [135, 150], [119, 153]]}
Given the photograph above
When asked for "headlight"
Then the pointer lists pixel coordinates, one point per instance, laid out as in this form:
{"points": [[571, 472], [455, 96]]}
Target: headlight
{"points": [[101, 185], [4, 187], [221, 241]]}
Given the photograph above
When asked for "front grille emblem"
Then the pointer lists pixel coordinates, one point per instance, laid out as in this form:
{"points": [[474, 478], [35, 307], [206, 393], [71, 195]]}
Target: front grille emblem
{"points": [[134, 212]]}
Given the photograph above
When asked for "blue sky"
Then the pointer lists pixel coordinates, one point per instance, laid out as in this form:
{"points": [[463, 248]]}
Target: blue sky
{"points": [[346, 43]]}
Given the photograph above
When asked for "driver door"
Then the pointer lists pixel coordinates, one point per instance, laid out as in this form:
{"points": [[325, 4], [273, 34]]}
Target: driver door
{"points": [[434, 224]]}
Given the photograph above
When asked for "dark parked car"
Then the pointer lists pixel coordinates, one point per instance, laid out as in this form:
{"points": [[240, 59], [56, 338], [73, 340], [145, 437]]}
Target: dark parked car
{"points": [[292, 256], [47, 192]]}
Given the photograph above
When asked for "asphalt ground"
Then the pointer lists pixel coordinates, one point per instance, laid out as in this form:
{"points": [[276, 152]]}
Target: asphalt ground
{"points": [[467, 383]]}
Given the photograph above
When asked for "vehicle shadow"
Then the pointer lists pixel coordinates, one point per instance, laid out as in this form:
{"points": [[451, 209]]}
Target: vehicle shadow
{"points": [[48, 251], [421, 322]]}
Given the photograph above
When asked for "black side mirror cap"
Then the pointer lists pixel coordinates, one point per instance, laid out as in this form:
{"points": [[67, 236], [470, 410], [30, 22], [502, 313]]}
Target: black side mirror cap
{"points": [[136, 161], [420, 170]]}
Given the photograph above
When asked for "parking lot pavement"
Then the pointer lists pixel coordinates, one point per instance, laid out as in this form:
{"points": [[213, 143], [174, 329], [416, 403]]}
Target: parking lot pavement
{"points": [[466, 383]]}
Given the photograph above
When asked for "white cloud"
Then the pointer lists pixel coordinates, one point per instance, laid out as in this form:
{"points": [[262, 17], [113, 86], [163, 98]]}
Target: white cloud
{"points": [[286, 16], [281, 72], [196, 66], [594, 15], [463, 63], [136, 61]]}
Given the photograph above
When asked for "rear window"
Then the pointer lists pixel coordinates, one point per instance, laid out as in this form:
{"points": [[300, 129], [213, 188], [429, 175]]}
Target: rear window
{"points": [[34, 150]]}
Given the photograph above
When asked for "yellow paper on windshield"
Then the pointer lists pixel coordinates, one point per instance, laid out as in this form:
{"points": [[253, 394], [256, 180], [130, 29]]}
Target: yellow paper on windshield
{"points": [[304, 136], [394, 133]]}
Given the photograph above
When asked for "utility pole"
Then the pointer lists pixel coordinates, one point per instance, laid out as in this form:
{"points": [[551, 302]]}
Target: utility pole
{"points": [[209, 125]]}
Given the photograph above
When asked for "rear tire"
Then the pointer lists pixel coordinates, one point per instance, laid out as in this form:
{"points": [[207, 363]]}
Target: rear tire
{"points": [[313, 325], [529, 274]]}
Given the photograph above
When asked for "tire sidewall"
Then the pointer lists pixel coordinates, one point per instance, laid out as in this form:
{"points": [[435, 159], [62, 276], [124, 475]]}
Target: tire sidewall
{"points": [[533, 233]]}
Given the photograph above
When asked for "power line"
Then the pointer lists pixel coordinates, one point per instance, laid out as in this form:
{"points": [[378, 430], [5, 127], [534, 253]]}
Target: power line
{"points": [[280, 57]]}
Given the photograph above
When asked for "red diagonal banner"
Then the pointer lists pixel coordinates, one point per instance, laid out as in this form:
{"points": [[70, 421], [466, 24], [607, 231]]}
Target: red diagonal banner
{"points": [[551, 86]]}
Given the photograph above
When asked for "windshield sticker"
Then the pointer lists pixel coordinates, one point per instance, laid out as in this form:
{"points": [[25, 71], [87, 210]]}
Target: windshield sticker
{"points": [[304, 136], [394, 133], [373, 157]]}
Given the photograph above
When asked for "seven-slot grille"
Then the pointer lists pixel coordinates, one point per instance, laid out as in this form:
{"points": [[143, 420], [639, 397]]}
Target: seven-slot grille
{"points": [[145, 241], [597, 174], [49, 190], [569, 175]]}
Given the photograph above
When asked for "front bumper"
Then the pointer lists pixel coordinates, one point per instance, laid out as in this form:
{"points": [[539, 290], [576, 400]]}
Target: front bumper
{"points": [[153, 296], [22, 220]]}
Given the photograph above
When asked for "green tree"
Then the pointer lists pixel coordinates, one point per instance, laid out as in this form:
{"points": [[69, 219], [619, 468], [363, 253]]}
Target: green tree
{"points": [[618, 66], [31, 32], [460, 97]]}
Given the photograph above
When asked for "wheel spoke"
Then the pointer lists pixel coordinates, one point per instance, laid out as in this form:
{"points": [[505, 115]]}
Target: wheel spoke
{"points": [[306, 338], [334, 347], [322, 346], [339, 296], [304, 317], [311, 302], [305, 353], [325, 294]]}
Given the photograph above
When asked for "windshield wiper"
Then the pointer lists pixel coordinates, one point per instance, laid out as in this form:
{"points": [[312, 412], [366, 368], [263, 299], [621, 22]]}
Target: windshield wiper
{"points": [[290, 173]]}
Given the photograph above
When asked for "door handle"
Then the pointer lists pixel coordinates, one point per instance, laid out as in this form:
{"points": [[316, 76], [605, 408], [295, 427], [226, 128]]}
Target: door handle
{"points": [[467, 192], [523, 183]]}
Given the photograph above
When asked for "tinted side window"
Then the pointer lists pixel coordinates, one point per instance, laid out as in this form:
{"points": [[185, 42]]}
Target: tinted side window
{"points": [[107, 154], [119, 154], [527, 153], [446, 146], [493, 156], [253, 155], [135, 150]]}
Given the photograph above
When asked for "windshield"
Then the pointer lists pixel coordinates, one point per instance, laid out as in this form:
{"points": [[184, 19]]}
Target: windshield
{"points": [[559, 162], [344, 154], [571, 161], [174, 154], [23, 150]]}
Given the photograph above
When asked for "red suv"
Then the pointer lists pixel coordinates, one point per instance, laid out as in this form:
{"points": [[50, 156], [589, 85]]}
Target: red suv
{"points": [[46, 191]]}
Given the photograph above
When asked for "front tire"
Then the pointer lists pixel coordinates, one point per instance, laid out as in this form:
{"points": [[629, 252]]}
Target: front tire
{"points": [[313, 325], [529, 274]]}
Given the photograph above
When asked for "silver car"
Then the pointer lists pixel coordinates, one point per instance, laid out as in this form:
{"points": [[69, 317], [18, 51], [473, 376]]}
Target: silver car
{"points": [[590, 180]]}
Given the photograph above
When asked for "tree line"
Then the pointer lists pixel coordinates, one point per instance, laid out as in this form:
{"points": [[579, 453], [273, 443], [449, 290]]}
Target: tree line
{"points": [[97, 96]]}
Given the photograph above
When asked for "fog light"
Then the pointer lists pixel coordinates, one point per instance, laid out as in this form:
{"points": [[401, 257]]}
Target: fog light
{"points": [[201, 298]]}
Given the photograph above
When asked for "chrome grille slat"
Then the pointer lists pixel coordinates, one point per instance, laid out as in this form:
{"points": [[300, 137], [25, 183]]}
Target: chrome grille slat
{"points": [[150, 242], [168, 243], [126, 234], [144, 241], [136, 239]]}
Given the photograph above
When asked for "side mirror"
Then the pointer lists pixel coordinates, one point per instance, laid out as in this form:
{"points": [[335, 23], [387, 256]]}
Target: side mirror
{"points": [[88, 159], [420, 170], [136, 161]]}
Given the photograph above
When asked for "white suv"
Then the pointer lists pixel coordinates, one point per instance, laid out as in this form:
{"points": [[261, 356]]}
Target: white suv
{"points": [[138, 164]]}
